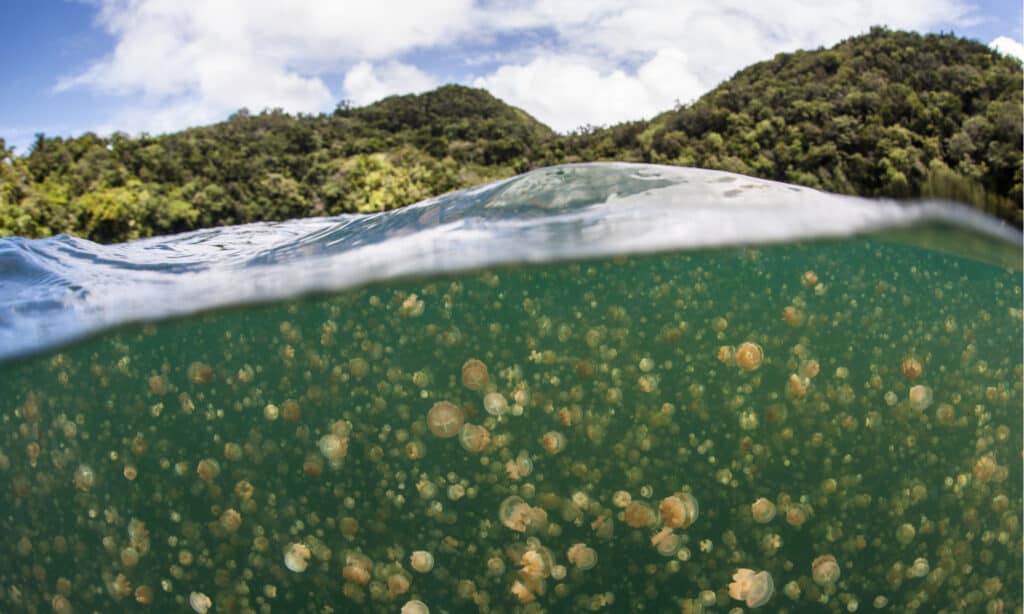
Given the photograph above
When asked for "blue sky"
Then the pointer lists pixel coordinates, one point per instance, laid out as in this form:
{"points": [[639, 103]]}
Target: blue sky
{"points": [[162, 65]]}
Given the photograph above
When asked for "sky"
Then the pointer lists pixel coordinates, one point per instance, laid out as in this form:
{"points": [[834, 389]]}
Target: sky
{"points": [[155, 66]]}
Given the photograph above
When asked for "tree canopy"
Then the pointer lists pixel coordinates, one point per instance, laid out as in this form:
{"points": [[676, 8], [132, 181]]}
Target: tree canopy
{"points": [[883, 114]]}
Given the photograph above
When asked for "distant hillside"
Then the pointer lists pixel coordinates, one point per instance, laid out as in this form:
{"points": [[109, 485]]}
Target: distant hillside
{"points": [[887, 113]]}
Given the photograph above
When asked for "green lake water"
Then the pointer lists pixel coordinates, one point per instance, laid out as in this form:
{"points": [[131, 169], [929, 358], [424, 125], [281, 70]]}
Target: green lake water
{"points": [[879, 413]]}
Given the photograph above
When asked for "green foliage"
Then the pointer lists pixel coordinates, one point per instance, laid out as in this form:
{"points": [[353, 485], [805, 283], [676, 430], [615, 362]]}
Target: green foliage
{"points": [[887, 113]]}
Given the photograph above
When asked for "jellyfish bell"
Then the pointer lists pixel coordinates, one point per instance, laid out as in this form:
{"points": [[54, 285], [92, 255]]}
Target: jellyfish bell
{"points": [[357, 569], [679, 511], [208, 469], [911, 368], [553, 442], [534, 564], [753, 588], [522, 592], [796, 515], [666, 542], [296, 558], [639, 515], [495, 403], [474, 374], [200, 603], [333, 447], [825, 570], [748, 356], [422, 561], [415, 606], [582, 556], [920, 397], [445, 419], [398, 584], [85, 478], [474, 438], [762, 510]]}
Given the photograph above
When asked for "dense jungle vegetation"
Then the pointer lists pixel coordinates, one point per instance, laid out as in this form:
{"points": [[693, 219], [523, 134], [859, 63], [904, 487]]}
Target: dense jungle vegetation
{"points": [[883, 114]]}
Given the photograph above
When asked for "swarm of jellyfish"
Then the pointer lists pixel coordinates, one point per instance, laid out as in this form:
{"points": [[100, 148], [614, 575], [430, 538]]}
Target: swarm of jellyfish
{"points": [[831, 427]]}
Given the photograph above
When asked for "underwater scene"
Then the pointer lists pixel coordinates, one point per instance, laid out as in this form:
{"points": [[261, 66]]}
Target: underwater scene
{"points": [[812, 425]]}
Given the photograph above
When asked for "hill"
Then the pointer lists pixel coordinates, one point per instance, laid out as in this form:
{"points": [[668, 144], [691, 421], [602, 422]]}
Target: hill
{"points": [[886, 113]]}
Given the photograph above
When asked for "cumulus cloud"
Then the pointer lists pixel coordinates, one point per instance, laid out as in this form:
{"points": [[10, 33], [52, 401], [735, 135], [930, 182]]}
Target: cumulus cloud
{"points": [[567, 62], [567, 92], [189, 60], [1007, 46], [365, 83]]}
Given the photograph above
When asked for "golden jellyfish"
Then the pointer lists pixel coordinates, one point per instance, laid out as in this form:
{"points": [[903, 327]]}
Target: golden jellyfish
{"points": [[495, 403], [85, 478], [796, 516], [582, 556], [553, 442], [200, 603], [358, 367], [986, 468], [945, 415], [208, 469], [519, 467], [415, 606], [753, 588], [474, 438], [809, 368], [474, 374], [412, 307], [199, 373], [334, 448], [666, 542], [445, 419], [825, 570], [639, 515], [792, 316], [796, 387], [762, 510], [61, 605], [144, 595], [920, 397], [518, 515], [244, 490], [911, 368], [398, 584], [679, 511], [905, 533], [296, 558], [748, 356], [422, 561], [291, 410], [231, 520], [809, 279], [357, 568], [522, 593], [536, 563], [129, 557], [415, 450]]}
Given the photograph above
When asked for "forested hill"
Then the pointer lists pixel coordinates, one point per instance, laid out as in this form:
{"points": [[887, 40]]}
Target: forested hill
{"points": [[886, 113]]}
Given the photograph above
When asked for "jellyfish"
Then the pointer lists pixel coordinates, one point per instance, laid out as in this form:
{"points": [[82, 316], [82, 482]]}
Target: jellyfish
{"points": [[753, 588]]}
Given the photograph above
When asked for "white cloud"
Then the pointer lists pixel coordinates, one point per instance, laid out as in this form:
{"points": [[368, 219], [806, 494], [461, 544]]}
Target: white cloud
{"points": [[190, 60], [568, 62], [365, 84], [1007, 46], [567, 92]]}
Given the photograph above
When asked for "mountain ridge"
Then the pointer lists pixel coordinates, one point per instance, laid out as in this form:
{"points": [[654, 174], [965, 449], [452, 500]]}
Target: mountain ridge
{"points": [[881, 114]]}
